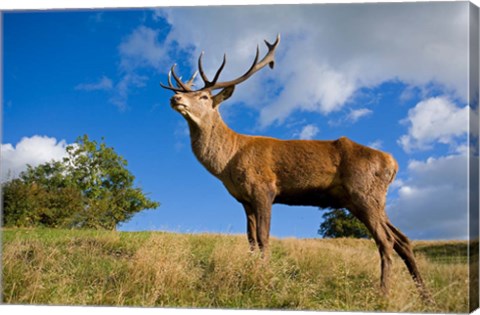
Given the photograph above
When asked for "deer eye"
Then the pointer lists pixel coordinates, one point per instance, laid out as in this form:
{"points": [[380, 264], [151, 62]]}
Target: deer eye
{"points": [[204, 97]]}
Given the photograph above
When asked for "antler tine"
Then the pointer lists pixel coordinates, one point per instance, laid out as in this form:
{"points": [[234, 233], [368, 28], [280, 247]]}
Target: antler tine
{"points": [[269, 60], [190, 82], [200, 68], [170, 78], [205, 79], [219, 69], [171, 87], [181, 87], [178, 80], [272, 46], [254, 62]]}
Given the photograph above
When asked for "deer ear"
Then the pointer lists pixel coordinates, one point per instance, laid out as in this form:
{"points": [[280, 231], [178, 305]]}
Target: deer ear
{"points": [[223, 95]]}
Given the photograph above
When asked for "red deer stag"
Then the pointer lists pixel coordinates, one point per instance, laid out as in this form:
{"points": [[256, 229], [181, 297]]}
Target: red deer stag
{"points": [[260, 171]]}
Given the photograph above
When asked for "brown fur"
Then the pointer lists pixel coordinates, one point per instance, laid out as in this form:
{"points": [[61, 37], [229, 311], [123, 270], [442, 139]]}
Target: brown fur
{"points": [[261, 171]]}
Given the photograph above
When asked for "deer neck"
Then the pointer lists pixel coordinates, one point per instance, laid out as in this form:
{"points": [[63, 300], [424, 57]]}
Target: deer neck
{"points": [[213, 143]]}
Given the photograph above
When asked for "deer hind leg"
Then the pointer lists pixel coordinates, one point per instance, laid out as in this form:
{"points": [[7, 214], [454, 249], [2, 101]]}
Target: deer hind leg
{"points": [[385, 247], [403, 247], [377, 225]]}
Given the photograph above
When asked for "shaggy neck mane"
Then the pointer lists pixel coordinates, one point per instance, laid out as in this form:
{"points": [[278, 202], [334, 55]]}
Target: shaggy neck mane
{"points": [[213, 143]]}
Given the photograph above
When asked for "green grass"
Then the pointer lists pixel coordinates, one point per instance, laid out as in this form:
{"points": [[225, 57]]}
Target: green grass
{"points": [[78, 267], [444, 251]]}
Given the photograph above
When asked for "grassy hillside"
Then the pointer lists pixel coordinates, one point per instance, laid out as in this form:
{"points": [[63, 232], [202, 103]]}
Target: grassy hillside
{"points": [[42, 266]]}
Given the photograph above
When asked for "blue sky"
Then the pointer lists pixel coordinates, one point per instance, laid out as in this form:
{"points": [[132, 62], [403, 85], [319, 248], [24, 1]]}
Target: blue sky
{"points": [[391, 76]]}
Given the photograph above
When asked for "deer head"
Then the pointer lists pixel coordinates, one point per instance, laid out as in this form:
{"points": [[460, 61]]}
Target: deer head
{"points": [[194, 105]]}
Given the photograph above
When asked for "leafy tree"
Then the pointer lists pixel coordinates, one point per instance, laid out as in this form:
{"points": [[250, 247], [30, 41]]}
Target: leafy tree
{"points": [[90, 188], [340, 223], [107, 185]]}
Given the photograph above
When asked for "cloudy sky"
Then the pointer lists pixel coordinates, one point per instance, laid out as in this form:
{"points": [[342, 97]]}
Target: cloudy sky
{"points": [[392, 76]]}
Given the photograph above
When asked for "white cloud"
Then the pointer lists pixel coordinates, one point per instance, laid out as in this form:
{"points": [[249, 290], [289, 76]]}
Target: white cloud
{"points": [[33, 150], [328, 52], [434, 120], [377, 144], [474, 118], [321, 90], [103, 84], [396, 184], [158, 14], [308, 132], [138, 51], [142, 48], [123, 87], [432, 202], [356, 114]]}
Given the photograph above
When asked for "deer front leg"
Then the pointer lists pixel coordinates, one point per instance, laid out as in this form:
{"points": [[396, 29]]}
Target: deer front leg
{"points": [[260, 201], [263, 214], [251, 226]]}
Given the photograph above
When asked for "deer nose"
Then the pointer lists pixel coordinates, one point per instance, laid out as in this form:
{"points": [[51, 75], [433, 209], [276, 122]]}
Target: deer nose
{"points": [[177, 98]]}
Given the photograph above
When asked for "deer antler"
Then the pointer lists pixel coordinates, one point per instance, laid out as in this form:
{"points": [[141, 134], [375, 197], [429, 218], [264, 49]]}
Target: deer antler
{"points": [[267, 60], [182, 87]]}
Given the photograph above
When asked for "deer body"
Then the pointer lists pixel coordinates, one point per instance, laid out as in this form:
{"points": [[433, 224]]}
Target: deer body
{"points": [[260, 171], [294, 172]]}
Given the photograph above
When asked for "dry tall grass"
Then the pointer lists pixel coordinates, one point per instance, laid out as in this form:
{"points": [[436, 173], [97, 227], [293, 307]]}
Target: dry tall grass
{"points": [[179, 270]]}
